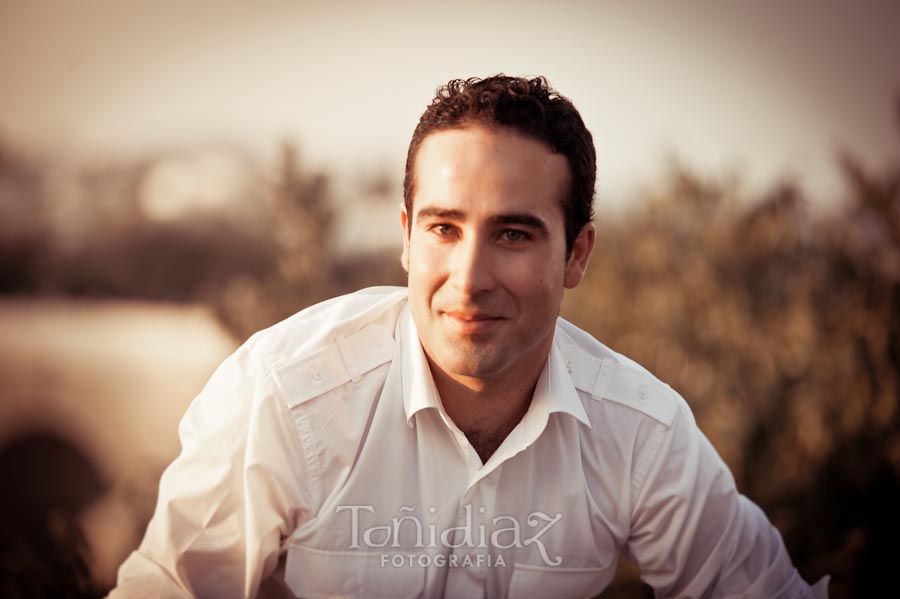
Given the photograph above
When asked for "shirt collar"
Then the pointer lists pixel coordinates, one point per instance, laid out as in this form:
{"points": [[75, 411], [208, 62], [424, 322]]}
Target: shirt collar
{"points": [[554, 392], [419, 391]]}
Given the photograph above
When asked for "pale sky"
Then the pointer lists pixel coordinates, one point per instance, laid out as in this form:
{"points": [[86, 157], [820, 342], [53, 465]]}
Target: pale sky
{"points": [[769, 88]]}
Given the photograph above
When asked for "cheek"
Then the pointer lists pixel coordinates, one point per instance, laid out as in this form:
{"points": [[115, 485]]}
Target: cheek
{"points": [[532, 277], [423, 261], [426, 267]]}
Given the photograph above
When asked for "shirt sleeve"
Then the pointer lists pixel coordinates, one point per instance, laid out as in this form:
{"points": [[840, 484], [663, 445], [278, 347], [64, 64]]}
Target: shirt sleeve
{"points": [[237, 487], [694, 535]]}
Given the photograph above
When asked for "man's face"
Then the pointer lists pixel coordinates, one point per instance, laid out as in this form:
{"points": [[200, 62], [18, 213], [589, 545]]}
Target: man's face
{"points": [[486, 251]]}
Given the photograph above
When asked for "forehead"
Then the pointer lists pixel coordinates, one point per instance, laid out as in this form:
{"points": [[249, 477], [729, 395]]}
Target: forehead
{"points": [[489, 166]]}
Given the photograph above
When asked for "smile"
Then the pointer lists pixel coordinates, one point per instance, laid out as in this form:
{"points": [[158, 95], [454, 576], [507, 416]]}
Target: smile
{"points": [[472, 323]]}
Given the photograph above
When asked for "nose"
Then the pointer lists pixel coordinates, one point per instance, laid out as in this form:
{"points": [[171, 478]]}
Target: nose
{"points": [[472, 267]]}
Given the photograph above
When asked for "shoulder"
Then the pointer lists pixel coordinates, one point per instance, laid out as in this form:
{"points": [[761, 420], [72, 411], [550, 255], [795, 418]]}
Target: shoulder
{"points": [[611, 381], [308, 330], [329, 344]]}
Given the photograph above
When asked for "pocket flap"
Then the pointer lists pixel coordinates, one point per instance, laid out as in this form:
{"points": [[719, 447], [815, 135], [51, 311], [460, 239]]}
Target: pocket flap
{"points": [[320, 574], [538, 581]]}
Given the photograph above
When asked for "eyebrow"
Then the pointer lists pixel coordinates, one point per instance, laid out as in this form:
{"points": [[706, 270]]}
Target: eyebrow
{"points": [[523, 219], [433, 212], [510, 218]]}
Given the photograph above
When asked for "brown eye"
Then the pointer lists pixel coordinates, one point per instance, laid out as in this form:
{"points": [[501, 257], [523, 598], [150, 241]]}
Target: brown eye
{"points": [[442, 230]]}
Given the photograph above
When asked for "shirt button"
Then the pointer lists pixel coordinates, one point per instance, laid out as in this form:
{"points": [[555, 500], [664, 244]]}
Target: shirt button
{"points": [[642, 393], [317, 374], [376, 343]]}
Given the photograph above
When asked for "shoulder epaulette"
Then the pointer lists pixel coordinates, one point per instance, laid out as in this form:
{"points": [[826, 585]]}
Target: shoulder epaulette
{"points": [[619, 380], [344, 359], [636, 388]]}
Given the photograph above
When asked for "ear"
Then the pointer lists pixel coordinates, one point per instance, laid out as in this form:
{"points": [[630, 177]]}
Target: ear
{"points": [[404, 222], [581, 254]]}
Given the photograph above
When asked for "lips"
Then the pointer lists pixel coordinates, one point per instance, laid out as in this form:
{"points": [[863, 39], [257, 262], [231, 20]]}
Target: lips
{"points": [[468, 316], [472, 322]]}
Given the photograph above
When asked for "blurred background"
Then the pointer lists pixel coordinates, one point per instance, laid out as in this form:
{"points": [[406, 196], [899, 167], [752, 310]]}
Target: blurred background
{"points": [[177, 175]]}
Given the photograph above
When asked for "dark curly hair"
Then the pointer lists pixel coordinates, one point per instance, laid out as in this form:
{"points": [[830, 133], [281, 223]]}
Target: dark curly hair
{"points": [[528, 106]]}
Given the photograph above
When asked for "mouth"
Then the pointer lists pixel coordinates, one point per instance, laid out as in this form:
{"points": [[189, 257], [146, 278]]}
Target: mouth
{"points": [[473, 322]]}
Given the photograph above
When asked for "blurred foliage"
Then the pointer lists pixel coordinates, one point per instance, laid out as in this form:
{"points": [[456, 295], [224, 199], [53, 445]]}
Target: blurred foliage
{"points": [[47, 482], [779, 324], [251, 273], [299, 232], [22, 225]]}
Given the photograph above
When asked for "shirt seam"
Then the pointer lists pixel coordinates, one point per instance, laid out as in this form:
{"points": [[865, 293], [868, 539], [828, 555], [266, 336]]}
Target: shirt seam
{"points": [[602, 378], [311, 453], [645, 459], [304, 433]]}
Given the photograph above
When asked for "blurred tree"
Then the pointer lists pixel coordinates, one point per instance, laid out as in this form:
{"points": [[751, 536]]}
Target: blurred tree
{"points": [[47, 483], [781, 328], [23, 231], [298, 231], [302, 221]]}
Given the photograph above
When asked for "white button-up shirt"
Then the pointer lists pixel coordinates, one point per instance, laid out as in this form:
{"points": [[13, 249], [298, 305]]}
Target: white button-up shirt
{"points": [[319, 457]]}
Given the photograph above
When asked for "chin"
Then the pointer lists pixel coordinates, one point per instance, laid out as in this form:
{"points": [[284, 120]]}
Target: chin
{"points": [[472, 364]]}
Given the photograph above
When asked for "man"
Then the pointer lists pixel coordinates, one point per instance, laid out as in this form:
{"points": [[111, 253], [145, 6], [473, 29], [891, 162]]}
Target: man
{"points": [[457, 439]]}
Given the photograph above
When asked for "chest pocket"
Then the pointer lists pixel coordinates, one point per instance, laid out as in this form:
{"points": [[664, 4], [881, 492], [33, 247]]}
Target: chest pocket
{"points": [[538, 581], [319, 574]]}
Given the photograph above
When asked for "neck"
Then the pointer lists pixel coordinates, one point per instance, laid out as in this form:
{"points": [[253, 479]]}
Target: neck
{"points": [[487, 410]]}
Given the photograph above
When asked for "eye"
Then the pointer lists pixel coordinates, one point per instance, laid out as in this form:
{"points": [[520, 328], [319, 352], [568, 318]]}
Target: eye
{"points": [[515, 235], [442, 230]]}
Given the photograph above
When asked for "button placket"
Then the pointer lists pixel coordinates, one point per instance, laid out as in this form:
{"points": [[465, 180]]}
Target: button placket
{"points": [[481, 502]]}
